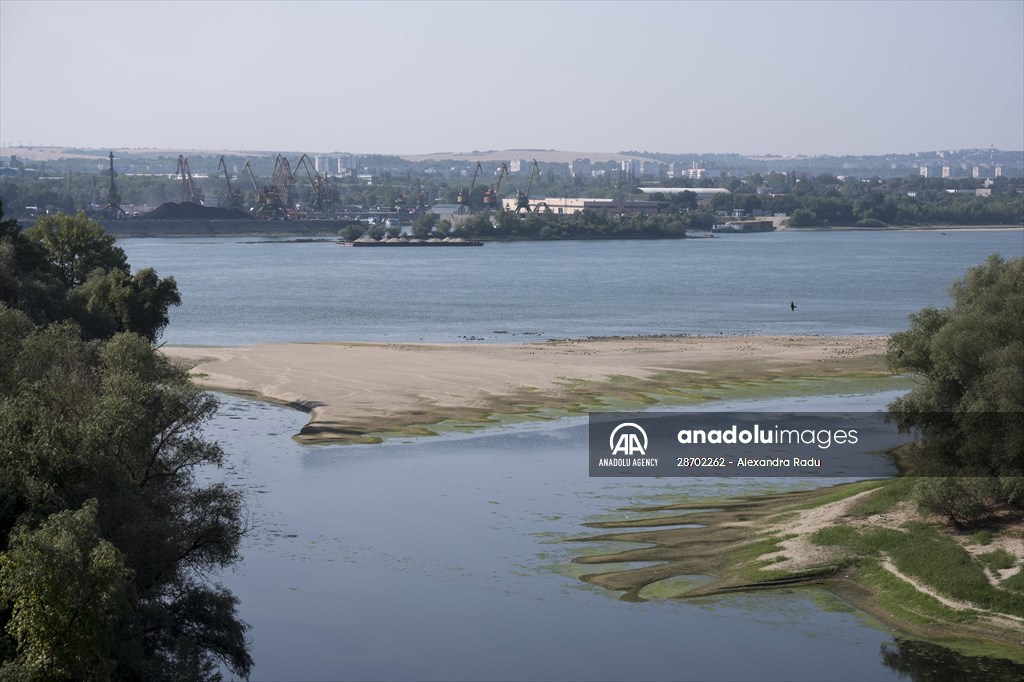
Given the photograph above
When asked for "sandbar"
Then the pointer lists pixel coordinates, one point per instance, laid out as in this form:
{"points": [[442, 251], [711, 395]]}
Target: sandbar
{"points": [[356, 391]]}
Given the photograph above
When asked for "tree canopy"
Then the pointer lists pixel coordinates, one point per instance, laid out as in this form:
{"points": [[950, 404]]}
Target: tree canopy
{"points": [[67, 267], [969, 406], [106, 534]]}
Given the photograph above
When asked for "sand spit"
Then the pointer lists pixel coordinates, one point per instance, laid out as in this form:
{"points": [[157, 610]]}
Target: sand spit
{"points": [[354, 390]]}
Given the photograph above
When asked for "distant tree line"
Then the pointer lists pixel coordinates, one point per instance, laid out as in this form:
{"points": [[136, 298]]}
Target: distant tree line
{"points": [[826, 201], [545, 226], [582, 225]]}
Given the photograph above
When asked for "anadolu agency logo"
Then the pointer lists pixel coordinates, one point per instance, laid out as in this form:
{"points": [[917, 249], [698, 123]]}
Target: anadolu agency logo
{"points": [[628, 439]]}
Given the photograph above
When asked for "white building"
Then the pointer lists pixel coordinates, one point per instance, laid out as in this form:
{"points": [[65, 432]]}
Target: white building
{"points": [[566, 206], [701, 192]]}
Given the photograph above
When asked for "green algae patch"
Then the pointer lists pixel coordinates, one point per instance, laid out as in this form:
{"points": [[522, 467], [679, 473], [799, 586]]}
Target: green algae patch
{"points": [[913, 577], [674, 587], [577, 397]]}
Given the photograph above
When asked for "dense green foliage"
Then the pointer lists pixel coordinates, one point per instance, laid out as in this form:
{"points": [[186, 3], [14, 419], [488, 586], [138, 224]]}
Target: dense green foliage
{"points": [[582, 225], [828, 202], [969, 407], [67, 267], [106, 534]]}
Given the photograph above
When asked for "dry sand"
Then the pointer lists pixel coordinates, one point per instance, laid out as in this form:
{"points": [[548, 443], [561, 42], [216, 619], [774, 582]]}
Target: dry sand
{"points": [[355, 389]]}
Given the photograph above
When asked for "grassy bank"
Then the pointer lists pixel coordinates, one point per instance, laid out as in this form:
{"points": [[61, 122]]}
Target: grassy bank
{"points": [[863, 541]]}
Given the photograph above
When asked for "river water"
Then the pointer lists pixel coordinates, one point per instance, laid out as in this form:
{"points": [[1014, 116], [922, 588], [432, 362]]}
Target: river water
{"points": [[842, 283], [451, 557]]}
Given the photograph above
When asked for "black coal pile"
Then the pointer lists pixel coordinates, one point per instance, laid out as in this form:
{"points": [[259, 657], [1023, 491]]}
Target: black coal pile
{"points": [[187, 210]]}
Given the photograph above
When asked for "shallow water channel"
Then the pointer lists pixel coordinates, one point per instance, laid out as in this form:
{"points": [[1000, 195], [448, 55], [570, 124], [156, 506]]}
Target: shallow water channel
{"points": [[450, 557]]}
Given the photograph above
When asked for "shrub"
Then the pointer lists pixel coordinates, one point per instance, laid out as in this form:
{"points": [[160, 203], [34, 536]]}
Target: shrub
{"points": [[964, 501]]}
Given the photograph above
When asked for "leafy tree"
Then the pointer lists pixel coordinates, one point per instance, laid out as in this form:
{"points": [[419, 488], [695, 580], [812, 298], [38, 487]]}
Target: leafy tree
{"points": [[968, 408], [803, 218], [108, 302], [68, 587], [424, 224], [69, 267], [350, 233], [75, 246], [680, 201], [117, 423], [26, 282], [106, 535]]}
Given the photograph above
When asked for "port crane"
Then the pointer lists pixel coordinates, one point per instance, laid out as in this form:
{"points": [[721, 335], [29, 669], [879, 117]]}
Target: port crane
{"points": [[421, 197], [190, 191], [113, 210], [323, 196], [252, 179], [234, 197], [523, 198], [277, 197], [491, 194], [463, 199]]}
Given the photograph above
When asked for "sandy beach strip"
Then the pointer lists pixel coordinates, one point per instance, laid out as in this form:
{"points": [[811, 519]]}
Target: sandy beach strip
{"points": [[353, 390]]}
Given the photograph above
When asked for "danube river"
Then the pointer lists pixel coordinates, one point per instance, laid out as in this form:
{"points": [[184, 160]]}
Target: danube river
{"points": [[842, 283], [451, 557]]}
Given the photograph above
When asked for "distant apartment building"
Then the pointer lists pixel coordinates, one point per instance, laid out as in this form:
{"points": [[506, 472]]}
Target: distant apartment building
{"points": [[946, 172], [696, 171], [346, 165], [516, 165], [924, 170], [581, 168], [648, 167]]}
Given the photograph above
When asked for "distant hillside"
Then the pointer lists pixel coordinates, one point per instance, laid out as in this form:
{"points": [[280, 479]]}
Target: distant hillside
{"points": [[541, 155], [57, 153]]}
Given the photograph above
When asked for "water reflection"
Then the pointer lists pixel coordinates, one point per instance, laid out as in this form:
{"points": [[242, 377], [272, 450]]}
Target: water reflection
{"points": [[927, 662]]}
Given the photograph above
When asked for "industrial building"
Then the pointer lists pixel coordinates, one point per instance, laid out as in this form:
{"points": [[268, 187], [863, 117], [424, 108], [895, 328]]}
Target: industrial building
{"points": [[701, 192], [566, 206]]}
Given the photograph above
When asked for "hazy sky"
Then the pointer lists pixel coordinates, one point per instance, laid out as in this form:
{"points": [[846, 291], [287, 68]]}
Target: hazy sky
{"points": [[420, 77]]}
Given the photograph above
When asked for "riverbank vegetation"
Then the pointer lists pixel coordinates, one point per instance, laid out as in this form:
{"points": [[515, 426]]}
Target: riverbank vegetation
{"points": [[865, 541], [938, 552], [543, 226], [107, 537], [828, 201]]}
